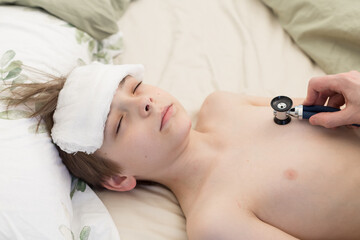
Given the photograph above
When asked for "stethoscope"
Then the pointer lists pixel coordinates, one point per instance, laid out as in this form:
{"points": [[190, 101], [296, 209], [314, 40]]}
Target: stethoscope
{"points": [[283, 110]]}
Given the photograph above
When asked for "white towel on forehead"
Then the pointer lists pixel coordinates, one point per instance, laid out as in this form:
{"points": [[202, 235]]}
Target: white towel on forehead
{"points": [[84, 104]]}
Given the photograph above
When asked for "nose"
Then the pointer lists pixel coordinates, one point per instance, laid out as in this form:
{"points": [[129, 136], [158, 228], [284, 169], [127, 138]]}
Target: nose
{"points": [[141, 106], [145, 107]]}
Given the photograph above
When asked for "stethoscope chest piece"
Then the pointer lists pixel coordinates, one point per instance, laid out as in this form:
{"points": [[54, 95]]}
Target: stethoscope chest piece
{"points": [[281, 105], [283, 110]]}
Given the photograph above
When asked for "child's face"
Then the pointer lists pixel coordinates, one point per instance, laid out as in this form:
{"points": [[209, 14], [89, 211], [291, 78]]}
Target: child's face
{"points": [[153, 128]]}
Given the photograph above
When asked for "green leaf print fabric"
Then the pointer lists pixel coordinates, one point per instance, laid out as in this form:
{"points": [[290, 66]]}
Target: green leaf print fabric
{"points": [[48, 203]]}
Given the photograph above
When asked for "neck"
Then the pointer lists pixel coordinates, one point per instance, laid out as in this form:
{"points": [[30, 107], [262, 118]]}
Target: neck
{"points": [[187, 174]]}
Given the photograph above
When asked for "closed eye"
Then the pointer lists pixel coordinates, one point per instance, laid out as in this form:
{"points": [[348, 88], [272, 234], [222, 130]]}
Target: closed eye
{"points": [[118, 126], [137, 87]]}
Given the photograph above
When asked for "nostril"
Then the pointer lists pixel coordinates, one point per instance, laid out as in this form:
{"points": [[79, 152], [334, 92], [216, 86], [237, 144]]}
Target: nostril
{"points": [[147, 107]]}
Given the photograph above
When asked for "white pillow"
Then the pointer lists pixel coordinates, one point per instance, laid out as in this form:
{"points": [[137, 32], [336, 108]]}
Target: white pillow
{"points": [[35, 186]]}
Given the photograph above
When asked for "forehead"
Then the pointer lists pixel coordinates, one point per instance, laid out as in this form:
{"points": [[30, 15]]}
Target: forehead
{"points": [[123, 83], [126, 79]]}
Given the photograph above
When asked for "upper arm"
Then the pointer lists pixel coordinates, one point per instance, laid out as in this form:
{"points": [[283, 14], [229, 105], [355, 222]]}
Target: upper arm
{"points": [[247, 226]]}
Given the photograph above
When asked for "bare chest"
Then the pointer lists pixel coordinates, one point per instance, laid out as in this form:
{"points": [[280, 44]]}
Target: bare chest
{"points": [[308, 198], [298, 178]]}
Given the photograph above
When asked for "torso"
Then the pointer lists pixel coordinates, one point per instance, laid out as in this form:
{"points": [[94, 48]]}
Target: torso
{"points": [[302, 179]]}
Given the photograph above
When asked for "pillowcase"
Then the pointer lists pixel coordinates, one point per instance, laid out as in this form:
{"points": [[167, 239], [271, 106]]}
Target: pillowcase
{"points": [[38, 197], [97, 18], [34, 184], [327, 30]]}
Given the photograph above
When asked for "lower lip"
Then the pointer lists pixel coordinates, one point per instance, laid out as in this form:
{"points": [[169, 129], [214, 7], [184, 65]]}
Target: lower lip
{"points": [[167, 116]]}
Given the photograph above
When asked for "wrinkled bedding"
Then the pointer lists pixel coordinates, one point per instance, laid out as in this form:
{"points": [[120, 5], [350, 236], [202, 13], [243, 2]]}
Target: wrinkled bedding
{"points": [[328, 31], [192, 48]]}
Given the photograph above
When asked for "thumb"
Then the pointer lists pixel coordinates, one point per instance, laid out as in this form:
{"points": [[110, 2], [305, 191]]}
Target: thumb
{"points": [[330, 119]]}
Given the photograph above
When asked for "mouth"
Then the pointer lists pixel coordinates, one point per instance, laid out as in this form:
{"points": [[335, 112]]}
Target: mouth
{"points": [[166, 115]]}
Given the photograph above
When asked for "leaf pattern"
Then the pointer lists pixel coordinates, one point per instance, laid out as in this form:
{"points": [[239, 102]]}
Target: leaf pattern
{"points": [[35, 129], [6, 58], [81, 62], [85, 233], [69, 235], [12, 65], [96, 49], [13, 73], [9, 70], [66, 232], [117, 45], [77, 185], [14, 114]]}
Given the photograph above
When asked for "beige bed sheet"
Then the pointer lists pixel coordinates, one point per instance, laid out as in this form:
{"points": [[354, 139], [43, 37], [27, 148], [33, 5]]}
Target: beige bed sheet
{"points": [[192, 48]]}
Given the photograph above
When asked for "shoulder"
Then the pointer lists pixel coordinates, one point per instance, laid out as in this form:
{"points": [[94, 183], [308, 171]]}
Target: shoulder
{"points": [[215, 106], [218, 107], [221, 97]]}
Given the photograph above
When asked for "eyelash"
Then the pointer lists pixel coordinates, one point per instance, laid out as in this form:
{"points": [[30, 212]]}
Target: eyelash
{"points": [[137, 86], [118, 126]]}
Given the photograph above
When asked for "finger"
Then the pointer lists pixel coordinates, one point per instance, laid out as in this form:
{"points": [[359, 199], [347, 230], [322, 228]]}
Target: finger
{"points": [[330, 119], [323, 97], [326, 85], [312, 93], [311, 97], [336, 101]]}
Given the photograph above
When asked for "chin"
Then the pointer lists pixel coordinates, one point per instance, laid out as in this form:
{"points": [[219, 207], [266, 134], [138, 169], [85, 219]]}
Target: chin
{"points": [[182, 127]]}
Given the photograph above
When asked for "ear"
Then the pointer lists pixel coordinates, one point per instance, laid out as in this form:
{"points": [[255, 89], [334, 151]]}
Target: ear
{"points": [[120, 183]]}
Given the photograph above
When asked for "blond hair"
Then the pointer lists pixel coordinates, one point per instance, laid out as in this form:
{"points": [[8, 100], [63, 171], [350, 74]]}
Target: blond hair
{"points": [[93, 169]]}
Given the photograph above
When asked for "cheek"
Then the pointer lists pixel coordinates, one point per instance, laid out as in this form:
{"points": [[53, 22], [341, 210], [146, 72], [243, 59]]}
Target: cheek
{"points": [[144, 142], [138, 140]]}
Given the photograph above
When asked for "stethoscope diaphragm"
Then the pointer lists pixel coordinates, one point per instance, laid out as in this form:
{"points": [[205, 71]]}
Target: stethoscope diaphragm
{"points": [[281, 106]]}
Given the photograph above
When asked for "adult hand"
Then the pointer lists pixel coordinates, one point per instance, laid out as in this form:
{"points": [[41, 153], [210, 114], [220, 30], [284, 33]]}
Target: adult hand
{"points": [[337, 90]]}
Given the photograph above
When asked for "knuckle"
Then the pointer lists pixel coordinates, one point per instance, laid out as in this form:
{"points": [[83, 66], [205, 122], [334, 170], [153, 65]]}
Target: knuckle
{"points": [[337, 84], [343, 79], [352, 75], [313, 80], [351, 79], [354, 72]]}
